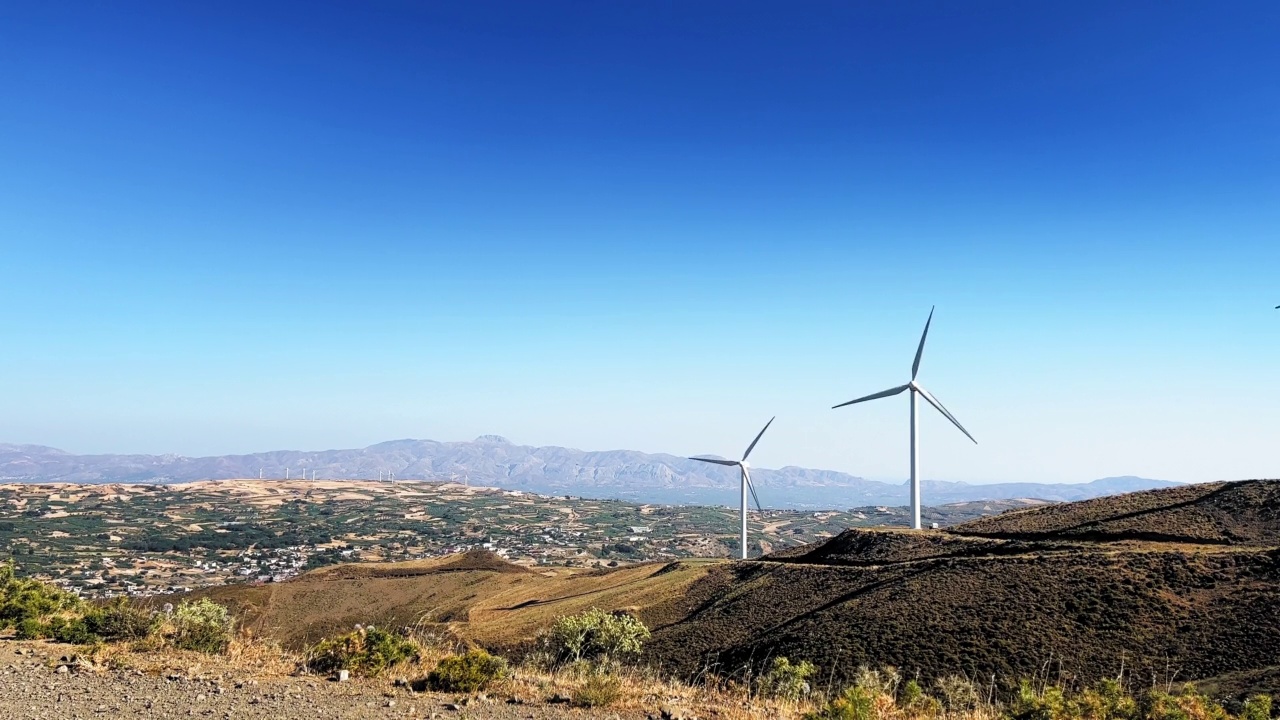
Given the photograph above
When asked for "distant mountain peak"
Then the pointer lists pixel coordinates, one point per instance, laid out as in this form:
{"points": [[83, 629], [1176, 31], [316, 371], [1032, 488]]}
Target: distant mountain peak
{"points": [[496, 439]]}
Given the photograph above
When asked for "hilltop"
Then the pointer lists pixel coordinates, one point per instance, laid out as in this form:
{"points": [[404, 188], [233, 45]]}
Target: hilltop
{"points": [[491, 460], [1239, 513], [1181, 579]]}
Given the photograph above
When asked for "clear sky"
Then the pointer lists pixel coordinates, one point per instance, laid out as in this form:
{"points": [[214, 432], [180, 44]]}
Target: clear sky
{"points": [[244, 226]]}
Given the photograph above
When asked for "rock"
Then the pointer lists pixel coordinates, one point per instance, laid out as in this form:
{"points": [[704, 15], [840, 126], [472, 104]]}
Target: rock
{"points": [[559, 699], [63, 670], [401, 682], [344, 675], [452, 706], [670, 713]]}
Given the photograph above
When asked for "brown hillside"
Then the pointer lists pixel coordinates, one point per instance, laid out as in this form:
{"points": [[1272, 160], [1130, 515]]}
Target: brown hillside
{"points": [[1202, 614], [1171, 584], [1235, 513], [477, 594]]}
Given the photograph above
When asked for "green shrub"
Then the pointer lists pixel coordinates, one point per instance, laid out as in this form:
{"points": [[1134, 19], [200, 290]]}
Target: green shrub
{"points": [[600, 690], [912, 693], [1186, 705], [1256, 707], [1108, 701], [203, 626], [786, 680], [26, 599], [468, 673], [32, 629], [120, 621], [1046, 704], [73, 631], [855, 703], [367, 651], [596, 635]]}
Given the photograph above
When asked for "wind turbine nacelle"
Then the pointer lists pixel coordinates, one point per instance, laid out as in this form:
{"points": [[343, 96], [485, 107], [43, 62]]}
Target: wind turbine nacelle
{"points": [[744, 464]]}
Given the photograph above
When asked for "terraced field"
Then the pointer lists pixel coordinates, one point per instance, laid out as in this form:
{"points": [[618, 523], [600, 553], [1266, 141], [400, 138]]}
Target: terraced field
{"points": [[103, 540]]}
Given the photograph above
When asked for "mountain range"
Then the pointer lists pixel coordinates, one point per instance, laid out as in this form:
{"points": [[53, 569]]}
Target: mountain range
{"points": [[492, 460]]}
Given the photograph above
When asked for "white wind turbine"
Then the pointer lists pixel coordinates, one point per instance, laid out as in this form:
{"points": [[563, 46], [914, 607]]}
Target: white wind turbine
{"points": [[916, 389], [746, 481]]}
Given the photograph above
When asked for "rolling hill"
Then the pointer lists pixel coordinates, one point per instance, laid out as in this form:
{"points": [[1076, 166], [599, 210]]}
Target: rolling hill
{"points": [[493, 461], [1086, 589]]}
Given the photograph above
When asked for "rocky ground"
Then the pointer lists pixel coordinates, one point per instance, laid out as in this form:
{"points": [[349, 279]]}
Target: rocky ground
{"points": [[37, 681]]}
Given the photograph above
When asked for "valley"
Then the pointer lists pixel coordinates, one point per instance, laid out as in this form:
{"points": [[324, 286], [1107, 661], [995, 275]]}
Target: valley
{"points": [[104, 540]]}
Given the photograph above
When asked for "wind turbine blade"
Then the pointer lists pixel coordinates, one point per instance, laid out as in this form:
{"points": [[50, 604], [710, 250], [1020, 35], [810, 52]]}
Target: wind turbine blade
{"points": [[934, 402], [875, 396], [730, 463], [752, 446], [915, 366], [752, 487]]}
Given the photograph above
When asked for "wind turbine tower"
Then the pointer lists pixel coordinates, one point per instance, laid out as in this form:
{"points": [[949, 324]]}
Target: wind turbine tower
{"points": [[744, 466], [915, 389]]}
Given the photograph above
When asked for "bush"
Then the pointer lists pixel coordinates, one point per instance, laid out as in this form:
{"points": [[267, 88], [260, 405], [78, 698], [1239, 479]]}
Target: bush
{"points": [[1256, 707], [1108, 701], [959, 694], [786, 680], [1187, 705], [1046, 704], [120, 621], [855, 703], [468, 673], [32, 629], [203, 626], [596, 635], [367, 651], [917, 702], [600, 690], [73, 631], [26, 599]]}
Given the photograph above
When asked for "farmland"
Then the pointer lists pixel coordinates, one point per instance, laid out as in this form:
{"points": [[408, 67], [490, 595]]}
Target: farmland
{"points": [[116, 539]]}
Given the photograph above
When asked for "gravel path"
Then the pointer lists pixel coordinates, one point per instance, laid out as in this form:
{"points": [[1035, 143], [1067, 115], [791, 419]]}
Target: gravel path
{"points": [[31, 689]]}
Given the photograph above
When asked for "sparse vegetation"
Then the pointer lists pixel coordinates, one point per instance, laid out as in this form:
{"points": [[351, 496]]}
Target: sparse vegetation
{"points": [[596, 635], [786, 680], [201, 625], [600, 689], [472, 672], [365, 651], [1106, 700]]}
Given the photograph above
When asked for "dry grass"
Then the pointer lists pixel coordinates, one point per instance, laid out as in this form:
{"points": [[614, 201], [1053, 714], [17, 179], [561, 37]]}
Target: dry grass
{"points": [[498, 603]]}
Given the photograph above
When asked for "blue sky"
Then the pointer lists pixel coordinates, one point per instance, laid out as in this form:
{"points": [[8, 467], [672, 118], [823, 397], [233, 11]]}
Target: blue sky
{"points": [[252, 226]]}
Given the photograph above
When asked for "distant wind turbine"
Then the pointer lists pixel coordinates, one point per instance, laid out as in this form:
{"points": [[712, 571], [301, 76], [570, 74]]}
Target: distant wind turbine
{"points": [[744, 466], [916, 389]]}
